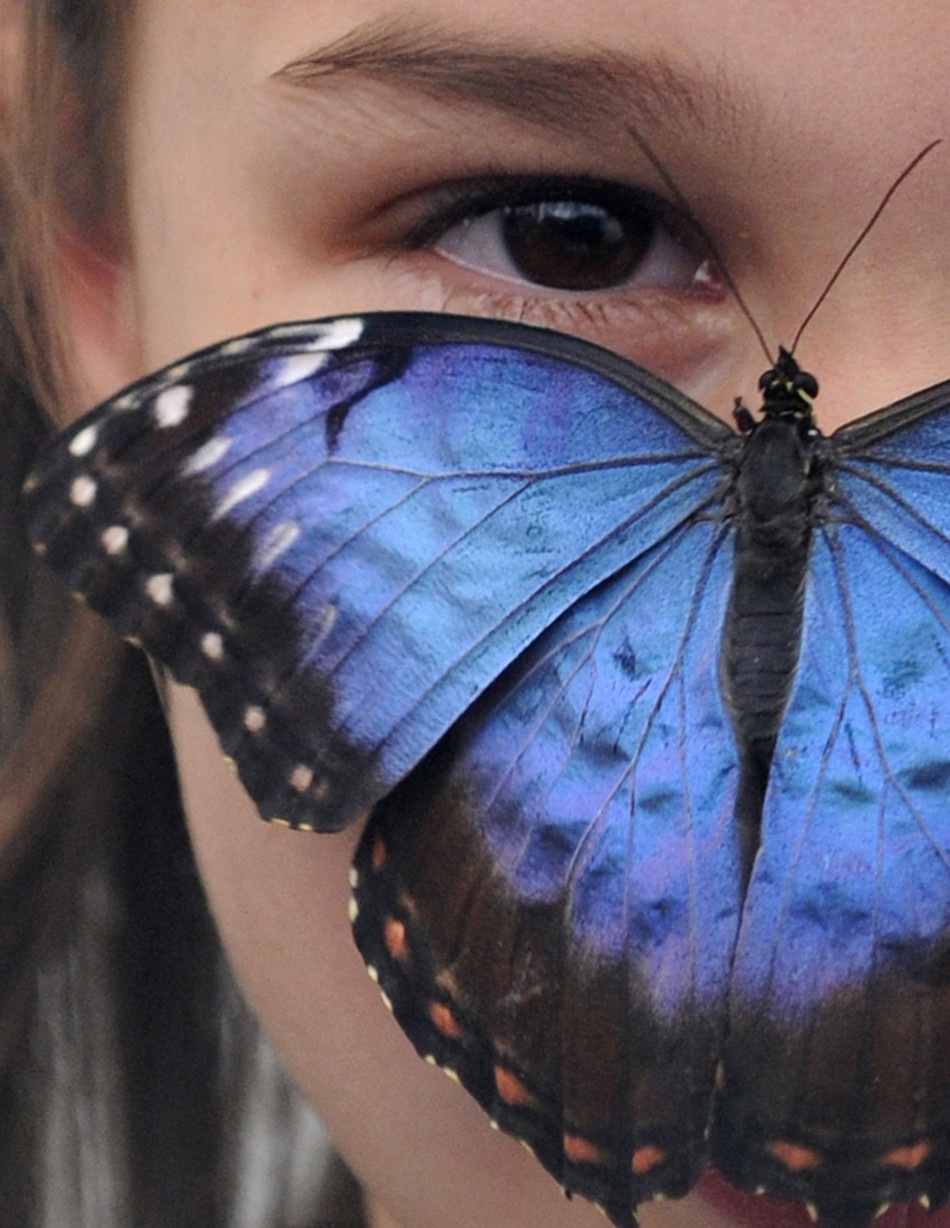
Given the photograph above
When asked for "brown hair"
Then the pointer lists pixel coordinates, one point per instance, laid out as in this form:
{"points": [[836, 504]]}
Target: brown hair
{"points": [[125, 1053]]}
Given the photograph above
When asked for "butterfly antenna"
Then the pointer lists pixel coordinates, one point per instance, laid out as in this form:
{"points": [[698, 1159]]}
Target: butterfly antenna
{"points": [[861, 237], [684, 205]]}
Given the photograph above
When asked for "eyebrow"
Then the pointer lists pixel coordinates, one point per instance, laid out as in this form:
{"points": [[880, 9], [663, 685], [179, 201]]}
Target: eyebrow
{"points": [[548, 87]]}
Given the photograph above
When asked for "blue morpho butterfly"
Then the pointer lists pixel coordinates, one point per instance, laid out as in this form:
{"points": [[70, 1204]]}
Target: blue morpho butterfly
{"points": [[653, 719]]}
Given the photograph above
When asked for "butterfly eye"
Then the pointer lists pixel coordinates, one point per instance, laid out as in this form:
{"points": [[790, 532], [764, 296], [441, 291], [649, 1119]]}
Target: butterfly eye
{"points": [[805, 382]]}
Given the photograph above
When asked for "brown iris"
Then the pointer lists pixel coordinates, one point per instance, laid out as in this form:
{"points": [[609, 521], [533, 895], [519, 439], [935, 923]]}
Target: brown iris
{"points": [[575, 245]]}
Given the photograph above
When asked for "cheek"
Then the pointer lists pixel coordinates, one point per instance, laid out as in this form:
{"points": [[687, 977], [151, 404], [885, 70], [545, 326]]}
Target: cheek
{"points": [[280, 901]]}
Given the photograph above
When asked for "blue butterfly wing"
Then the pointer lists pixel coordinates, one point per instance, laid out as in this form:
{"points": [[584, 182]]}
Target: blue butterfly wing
{"points": [[342, 532], [835, 1087], [891, 473], [574, 977]]}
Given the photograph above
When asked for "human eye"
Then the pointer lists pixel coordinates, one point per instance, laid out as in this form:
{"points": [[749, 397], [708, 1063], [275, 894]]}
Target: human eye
{"points": [[436, 214], [590, 256], [582, 237]]}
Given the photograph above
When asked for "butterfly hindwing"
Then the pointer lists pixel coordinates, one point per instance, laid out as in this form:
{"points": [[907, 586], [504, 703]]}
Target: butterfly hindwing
{"points": [[574, 978], [342, 531], [841, 987]]}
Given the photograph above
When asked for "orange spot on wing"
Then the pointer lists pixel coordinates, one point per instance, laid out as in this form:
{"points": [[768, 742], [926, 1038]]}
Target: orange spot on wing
{"points": [[378, 854], [646, 1158], [511, 1089], [910, 1157], [582, 1151], [797, 1159], [394, 935], [443, 1019]]}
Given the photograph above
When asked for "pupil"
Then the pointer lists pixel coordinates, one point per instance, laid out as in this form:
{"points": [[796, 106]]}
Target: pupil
{"points": [[575, 245]]}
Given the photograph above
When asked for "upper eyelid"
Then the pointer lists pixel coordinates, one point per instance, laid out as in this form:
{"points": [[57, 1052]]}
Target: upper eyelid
{"points": [[473, 198]]}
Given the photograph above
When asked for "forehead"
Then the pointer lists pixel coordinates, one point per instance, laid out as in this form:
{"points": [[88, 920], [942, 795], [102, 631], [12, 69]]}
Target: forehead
{"points": [[231, 149], [849, 56]]}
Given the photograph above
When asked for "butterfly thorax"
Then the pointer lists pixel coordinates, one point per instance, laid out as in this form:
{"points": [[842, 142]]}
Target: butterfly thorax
{"points": [[771, 508]]}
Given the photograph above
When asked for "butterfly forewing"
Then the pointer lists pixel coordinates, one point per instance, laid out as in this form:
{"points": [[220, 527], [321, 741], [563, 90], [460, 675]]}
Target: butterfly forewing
{"points": [[303, 524], [892, 471]]}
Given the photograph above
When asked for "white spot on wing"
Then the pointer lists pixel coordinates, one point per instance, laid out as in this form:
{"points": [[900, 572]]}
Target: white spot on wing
{"points": [[242, 489], [115, 539], [353, 910], [212, 645], [335, 335], [176, 373], [161, 589], [324, 621], [172, 406], [83, 491], [208, 455], [341, 333], [280, 538], [237, 346], [301, 778], [254, 719], [297, 368], [83, 443]]}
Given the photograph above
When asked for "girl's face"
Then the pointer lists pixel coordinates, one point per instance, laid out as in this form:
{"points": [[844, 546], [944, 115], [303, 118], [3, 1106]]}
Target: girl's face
{"points": [[287, 158]]}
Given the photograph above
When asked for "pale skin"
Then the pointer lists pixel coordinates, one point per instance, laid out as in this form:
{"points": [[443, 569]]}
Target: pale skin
{"points": [[256, 198]]}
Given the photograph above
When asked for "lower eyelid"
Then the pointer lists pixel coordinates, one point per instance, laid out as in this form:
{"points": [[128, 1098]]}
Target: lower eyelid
{"points": [[669, 332]]}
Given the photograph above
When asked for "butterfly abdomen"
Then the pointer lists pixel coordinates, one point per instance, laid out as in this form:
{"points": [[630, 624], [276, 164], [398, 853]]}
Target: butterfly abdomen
{"points": [[762, 633]]}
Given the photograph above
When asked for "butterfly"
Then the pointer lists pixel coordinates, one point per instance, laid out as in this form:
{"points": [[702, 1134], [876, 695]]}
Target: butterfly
{"points": [[651, 718]]}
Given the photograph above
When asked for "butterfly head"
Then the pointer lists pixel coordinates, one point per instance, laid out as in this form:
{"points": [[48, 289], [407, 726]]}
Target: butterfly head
{"points": [[787, 391]]}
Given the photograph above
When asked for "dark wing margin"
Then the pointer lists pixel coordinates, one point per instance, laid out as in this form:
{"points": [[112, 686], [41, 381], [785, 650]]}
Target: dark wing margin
{"points": [[342, 531]]}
